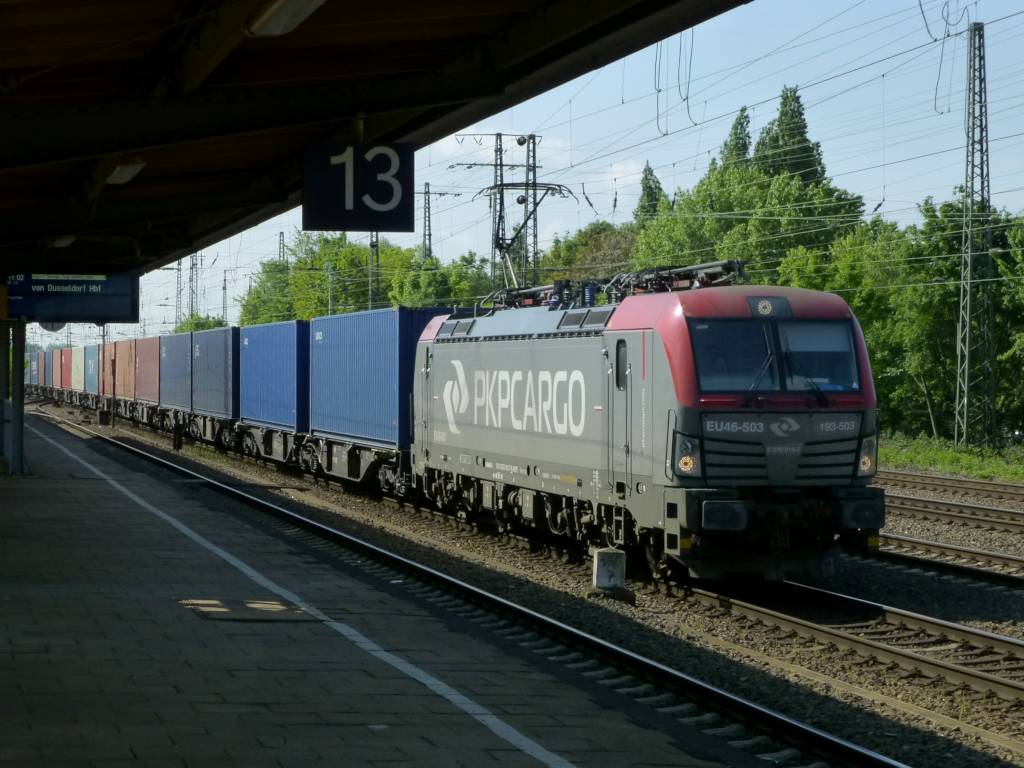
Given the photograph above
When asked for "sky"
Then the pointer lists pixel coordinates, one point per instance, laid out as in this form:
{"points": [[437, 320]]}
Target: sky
{"points": [[883, 83]]}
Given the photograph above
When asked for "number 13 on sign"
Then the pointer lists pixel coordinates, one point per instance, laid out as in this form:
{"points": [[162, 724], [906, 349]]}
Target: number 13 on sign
{"points": [[389, 177]]}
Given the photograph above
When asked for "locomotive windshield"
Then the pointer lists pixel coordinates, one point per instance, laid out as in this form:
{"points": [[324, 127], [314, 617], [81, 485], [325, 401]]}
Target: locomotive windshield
{"points": [[774, 356]]}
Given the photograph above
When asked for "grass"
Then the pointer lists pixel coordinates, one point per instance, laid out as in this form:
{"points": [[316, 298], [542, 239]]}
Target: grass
{"points": [[926, 453]]}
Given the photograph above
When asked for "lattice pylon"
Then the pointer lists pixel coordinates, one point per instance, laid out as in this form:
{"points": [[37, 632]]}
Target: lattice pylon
{"points": [[975, 353]]}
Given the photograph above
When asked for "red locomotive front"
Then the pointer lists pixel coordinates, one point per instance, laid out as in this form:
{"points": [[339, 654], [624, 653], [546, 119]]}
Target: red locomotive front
{"points": [[773, 429]]}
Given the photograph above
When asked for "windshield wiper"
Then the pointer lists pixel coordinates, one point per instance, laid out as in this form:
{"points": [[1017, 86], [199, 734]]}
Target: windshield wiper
{"points": [[792, 363], [766, 364]]}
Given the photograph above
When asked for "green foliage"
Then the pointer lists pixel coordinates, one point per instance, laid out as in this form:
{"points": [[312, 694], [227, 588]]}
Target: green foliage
{"points": [[325, 273], [736, 149], [197, 322], [428, 282], [784, 147], [269, 298], [652, 196], [600, 249], [737, 211], [937, 455]]}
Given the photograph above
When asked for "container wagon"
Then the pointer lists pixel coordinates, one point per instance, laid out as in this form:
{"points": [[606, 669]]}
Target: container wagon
{"points": [[91, 378], [360, 405], [147, 379], [55, 363], [214, 384], [78, 370], [124, 377], [65, 370], [274, 388], [175, 378], [107, 354]]}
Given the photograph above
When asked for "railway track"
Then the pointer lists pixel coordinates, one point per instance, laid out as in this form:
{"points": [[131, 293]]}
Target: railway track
{"points": [[772, 736], [953, 485], [953, 560], [974, 515], [929, 648]]}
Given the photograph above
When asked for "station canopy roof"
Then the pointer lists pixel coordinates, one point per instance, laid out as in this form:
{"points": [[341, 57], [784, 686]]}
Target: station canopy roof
{"points": [[134, 132]]}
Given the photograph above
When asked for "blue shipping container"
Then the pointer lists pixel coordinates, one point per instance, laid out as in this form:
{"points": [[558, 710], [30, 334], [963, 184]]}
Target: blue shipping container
{"points": [[274, 380], [176, 371], [92, 369], [32, 361], [361, 374], [215, 372]]}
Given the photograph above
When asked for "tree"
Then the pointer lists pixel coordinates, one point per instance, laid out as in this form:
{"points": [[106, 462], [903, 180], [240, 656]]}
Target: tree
{"points": [[600, 249], [736, 148], [469, 279], [428, 282], [651, 196], [269, 298], [784, 146], [196, 322], [752, 210]]}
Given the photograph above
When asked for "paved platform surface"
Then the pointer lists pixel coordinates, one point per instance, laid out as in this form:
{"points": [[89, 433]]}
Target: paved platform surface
{"points": [[143, 622]]}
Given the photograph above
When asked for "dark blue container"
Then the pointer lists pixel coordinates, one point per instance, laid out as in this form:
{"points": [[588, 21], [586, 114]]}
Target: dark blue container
{"points": [[47, 369], [32, 366], [215, 372], [361, 374], [176, 371], [274, 380], [92, 369]]}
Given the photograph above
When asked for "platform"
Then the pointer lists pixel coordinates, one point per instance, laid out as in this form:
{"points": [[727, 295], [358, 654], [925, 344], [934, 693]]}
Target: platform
{"points": [[143, 622]]}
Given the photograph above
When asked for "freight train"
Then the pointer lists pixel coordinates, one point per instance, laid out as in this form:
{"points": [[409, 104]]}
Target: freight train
{"points": [[715, 430]]}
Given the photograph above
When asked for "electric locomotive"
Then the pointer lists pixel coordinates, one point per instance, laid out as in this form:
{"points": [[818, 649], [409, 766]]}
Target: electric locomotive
{"points": [[720, 429]]}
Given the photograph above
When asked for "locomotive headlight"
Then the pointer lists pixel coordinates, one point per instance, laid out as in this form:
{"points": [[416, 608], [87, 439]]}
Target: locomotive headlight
{"points": [[687, 456], [868, 461]]}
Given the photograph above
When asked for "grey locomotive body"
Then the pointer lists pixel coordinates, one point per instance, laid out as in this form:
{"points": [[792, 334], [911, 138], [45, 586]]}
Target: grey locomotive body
{"points": [[618, 425]]}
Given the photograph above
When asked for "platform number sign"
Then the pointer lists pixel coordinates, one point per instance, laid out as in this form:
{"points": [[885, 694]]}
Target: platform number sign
{"points": [[359, 187]]}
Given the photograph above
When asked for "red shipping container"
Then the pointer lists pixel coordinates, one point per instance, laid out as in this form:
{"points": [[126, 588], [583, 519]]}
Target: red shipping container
{"points": [[147, 369], [124, 370], [107, 370], [55, 368], [65, 368]]}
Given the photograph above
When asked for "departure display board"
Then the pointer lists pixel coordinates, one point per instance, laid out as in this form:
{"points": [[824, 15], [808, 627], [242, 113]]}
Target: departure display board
{"points": [[74, 298]]}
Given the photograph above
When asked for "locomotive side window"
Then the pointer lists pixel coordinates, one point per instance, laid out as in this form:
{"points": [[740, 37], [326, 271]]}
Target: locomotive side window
{"points": [[620, 364]]}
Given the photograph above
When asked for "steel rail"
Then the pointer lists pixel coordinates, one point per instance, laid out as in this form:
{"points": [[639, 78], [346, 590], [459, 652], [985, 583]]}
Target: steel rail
{"points": [[905, 658], [975, 515], [897, 548], [959, 485], [831, 747]]}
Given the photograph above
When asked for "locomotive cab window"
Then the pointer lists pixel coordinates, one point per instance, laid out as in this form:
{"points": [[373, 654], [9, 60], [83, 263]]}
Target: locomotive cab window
{"points": [[774, 356], [734, 356], [818, 355], [620, 364]]}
